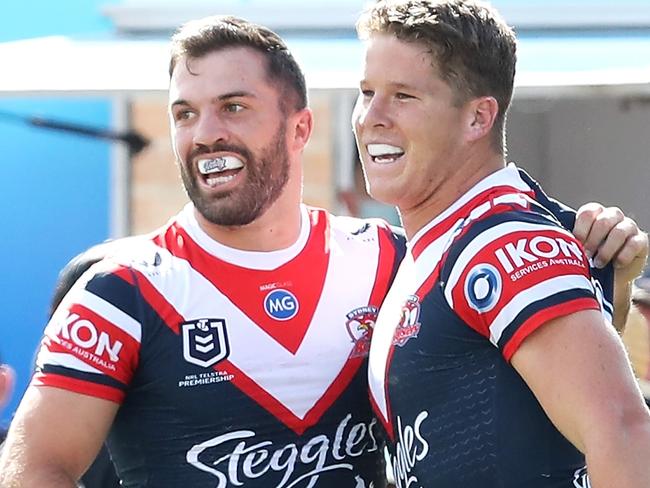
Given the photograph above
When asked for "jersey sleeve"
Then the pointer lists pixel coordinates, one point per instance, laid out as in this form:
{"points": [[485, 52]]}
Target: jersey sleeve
{"points": [[513, 272], [91, 344]]}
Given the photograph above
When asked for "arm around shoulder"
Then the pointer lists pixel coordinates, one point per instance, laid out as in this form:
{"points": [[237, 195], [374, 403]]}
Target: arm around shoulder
{"points": [[53, 438]]}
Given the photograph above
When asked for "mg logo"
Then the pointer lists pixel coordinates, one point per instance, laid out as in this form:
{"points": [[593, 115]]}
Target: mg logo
{"points": [[281, 305]]}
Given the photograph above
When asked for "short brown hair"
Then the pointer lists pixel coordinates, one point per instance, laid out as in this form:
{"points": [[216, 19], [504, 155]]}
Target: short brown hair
{"points": [[473, 48], [199, 37]]}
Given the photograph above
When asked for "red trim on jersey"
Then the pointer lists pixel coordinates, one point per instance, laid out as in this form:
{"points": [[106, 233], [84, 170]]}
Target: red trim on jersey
{"points": [[546, 315], [304, 276], [518, 279], [154, 298], [79, 386], [447, 223], [336, 388], [385, 266], [278, 409], [128, 357]]}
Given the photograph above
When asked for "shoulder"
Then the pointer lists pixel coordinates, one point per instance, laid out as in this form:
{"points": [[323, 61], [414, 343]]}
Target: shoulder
{"points": [[521, 235], [365, 228]]}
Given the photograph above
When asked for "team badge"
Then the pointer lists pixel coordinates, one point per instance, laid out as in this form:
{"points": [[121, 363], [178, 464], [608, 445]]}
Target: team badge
{"points": [[281, 304], [409, 324], [205, 341], [483, 287], [360, 323]]}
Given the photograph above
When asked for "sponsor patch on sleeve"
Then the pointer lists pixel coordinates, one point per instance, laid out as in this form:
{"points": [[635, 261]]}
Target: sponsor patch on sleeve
{"points": [[515, 276]]}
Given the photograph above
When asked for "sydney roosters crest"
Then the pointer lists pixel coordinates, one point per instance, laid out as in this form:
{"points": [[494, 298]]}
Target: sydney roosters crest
{"points": [[360, 323], [409, 324]]}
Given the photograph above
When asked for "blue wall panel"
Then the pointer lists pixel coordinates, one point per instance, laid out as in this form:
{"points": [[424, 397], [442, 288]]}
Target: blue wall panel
{"points": [[55, 187]]}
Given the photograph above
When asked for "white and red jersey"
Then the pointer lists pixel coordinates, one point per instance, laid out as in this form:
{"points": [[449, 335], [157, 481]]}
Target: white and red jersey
{"points": [[232, 368], [479, 279]]}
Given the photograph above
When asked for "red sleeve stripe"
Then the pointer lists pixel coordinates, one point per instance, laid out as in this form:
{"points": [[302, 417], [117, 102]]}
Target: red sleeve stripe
{"points": [[541, 291], [546, 315], [79, 386]]}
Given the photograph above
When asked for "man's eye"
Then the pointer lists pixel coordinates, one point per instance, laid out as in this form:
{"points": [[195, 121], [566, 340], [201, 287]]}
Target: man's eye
{"points": [[367, 93], [234, 107], [184, 115], [403, 96]]}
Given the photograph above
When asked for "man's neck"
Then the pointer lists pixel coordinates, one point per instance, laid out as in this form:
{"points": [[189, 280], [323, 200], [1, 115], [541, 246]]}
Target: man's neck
{"points": [[278, 228], [466, 175]]}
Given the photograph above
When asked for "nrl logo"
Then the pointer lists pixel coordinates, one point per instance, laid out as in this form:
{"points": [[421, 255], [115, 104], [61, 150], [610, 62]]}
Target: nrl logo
{"points": [[360, 323], [205, 341]]}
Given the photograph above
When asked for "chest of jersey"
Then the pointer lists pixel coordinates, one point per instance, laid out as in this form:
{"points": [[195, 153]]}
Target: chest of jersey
{"points": [[257, 376]]}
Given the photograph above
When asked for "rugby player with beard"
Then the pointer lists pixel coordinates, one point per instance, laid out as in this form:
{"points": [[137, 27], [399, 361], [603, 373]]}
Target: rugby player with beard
{"points": [[229, 347]]}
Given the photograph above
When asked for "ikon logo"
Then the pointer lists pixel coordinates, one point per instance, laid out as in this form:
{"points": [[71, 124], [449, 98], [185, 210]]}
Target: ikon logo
{"points": [[84, 334], [529, 251], [281, 305]]}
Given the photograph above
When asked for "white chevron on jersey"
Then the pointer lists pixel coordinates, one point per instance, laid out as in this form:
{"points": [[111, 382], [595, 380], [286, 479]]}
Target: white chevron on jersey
{"points": [[205, 300]]}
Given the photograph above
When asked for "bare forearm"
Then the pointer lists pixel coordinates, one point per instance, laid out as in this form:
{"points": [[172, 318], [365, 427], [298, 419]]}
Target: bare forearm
{"points": [[12, 476], [19, 468], [623, 460]]}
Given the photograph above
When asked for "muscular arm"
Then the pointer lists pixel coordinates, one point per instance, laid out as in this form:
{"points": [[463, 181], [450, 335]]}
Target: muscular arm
{"points": [[53, 438], [578, 370]]}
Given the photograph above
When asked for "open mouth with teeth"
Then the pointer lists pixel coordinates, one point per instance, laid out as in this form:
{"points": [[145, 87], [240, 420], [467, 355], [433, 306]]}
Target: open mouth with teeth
{"points": [[220, 170], [384, 153]]}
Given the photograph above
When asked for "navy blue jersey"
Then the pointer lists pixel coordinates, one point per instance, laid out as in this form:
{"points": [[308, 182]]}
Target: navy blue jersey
{"points": [[480, 278], [232, 368]]}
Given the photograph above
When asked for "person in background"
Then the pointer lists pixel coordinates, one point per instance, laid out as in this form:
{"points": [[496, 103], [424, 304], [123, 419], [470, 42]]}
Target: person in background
{"points": [[7, 377]]}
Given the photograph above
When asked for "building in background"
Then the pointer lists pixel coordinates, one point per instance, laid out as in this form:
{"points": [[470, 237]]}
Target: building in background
{"points": [[580, 120]]}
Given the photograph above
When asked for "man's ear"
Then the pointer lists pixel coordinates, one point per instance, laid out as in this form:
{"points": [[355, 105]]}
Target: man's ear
{"points": [[7, 378], [302, 125], [481, 114]]}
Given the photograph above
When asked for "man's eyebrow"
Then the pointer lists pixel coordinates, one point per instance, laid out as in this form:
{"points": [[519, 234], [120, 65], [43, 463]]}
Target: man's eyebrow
{"points": [[220, 98], [178, 102], [236, 94]]}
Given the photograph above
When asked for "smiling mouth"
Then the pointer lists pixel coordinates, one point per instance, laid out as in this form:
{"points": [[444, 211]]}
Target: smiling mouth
{"points": [[220, 170], [384, 153]]}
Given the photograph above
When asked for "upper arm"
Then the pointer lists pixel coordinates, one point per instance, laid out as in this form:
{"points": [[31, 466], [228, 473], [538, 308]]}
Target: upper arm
{"points": [[578, 370], [55, 433]]}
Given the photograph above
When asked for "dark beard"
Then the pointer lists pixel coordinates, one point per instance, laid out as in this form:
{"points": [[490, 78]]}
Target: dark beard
{"points": [[265, 180]]}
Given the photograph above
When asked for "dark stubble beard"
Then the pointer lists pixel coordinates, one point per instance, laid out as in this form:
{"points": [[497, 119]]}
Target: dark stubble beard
{"points": [[266, 177]]}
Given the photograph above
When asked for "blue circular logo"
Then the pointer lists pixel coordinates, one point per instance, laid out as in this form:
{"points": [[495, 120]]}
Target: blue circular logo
{"points": [[281, 305], [483, 287]]}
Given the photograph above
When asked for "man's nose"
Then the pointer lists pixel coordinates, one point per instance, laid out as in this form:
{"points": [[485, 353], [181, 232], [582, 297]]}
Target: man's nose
{"points": [[209, 130], [374, 112]]}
